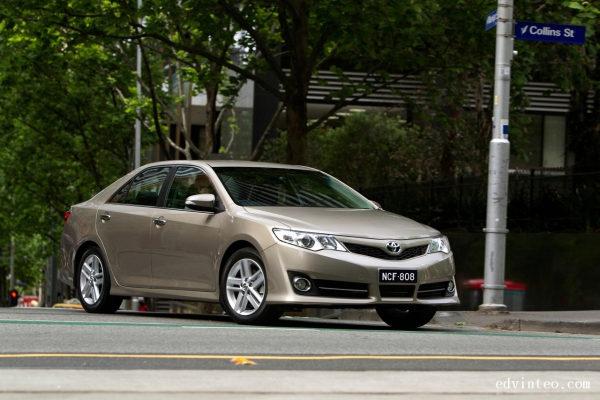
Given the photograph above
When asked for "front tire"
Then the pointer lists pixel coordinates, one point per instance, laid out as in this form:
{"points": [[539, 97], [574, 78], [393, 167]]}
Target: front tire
{"points": [[244, 290], [408, 317], [93, 284]]}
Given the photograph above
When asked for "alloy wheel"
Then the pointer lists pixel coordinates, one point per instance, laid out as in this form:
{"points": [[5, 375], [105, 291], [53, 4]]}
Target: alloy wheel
{"points": [[245, 286], [91, 279]]}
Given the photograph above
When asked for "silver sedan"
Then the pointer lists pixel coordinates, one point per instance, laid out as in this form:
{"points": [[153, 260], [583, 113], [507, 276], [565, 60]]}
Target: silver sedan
{"points": [[257, 238]]}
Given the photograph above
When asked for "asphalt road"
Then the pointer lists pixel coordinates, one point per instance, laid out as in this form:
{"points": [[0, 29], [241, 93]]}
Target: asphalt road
{"points": [[35, 342]]}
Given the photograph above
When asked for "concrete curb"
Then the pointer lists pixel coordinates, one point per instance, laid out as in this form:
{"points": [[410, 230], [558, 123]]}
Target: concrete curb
{"points": [[548, 322], [529, 325]]}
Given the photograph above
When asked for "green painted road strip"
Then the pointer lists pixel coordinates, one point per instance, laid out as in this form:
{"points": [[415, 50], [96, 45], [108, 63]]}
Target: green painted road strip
{"points": [[291, 328], [85, 323]]}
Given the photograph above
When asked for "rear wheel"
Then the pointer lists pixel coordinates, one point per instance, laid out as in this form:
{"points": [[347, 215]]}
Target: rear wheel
{"points": [[406, 317], [93, 284], [244, 289]]}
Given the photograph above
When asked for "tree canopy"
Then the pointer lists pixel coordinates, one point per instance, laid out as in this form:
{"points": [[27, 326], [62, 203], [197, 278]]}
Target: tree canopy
{"points": [[68, 98]]}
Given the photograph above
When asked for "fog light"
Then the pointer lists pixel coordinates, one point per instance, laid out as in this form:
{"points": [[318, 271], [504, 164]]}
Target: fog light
{"points": [[302, 284], [451, 286]]}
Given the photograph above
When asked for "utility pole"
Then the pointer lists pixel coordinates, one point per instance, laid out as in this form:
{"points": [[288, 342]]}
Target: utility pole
{"points": [[138, 122], [497, 195]]}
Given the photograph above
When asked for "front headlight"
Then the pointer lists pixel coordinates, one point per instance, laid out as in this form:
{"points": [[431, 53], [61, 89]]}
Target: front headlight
{"points": [[310, 241], [438, 244]]}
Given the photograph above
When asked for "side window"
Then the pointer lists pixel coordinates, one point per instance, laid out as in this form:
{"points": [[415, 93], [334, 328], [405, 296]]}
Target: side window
{"points": [[187, 182], [119, 197], [145, 187]]}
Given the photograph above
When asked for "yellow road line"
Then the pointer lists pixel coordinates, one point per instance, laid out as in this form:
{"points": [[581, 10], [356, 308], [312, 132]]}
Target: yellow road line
{"points": [[294, 358]]}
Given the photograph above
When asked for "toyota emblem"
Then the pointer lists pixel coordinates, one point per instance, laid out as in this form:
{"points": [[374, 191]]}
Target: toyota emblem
{"points": [[394, 247]]}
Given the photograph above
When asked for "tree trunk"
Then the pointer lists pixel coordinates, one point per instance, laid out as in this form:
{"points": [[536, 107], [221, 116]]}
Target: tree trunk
{"points": [[209, 130], [447, 162], [447, 159], [294, 21], [296, 118]]}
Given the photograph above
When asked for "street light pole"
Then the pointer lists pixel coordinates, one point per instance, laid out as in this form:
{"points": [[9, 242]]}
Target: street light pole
{"points": [[497, 195], [138, 122]]}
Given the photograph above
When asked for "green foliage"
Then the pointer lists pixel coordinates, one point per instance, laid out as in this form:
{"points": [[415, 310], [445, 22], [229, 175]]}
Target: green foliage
{"points": [[30, 260], [374, 149], [369, 149], [587, 13], [437, 41], [64, 131], [68, 100], [359, 151]]}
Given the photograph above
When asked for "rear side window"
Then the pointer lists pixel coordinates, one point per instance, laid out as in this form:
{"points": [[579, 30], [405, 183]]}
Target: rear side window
{"points": [[144, 188], [119, 197]]}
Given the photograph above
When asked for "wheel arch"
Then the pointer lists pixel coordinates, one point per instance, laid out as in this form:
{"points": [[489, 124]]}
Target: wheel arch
{"points": [[79, 254], [233, 247]]}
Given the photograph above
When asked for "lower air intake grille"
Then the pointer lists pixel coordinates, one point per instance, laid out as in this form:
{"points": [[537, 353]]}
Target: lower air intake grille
{"points": [[396, 290], [410, 252], [348, 290], [430, 290]]}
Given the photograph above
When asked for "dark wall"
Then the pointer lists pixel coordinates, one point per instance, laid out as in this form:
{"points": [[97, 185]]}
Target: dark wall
{"points": [[561, 271]]}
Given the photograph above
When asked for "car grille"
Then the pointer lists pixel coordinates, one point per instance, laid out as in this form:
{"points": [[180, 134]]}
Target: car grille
{"points": [[396, 290], [410, 252], [430, 290], [342, 289]]}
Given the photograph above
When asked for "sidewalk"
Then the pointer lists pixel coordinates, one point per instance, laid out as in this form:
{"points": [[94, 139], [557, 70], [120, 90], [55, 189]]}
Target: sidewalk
{"points": [[581, 322]]}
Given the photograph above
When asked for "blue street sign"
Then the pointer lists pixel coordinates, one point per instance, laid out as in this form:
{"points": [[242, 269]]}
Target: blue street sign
{"points": [[491, 20], [542, 32]]}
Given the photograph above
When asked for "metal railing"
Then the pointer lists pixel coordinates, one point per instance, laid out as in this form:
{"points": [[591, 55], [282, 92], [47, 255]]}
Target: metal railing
{"points": [[540, 200]]}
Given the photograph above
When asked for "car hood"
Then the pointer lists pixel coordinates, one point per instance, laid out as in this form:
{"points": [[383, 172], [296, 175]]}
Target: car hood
{"points": [[346, 222]]}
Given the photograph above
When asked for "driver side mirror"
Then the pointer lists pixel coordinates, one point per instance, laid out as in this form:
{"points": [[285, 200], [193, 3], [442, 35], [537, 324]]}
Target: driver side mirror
{"points": [[202, 202]]}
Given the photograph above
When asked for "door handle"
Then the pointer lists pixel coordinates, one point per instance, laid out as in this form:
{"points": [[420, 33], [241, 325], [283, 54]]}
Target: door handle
{"points": [[105, 217], [159, 221]]}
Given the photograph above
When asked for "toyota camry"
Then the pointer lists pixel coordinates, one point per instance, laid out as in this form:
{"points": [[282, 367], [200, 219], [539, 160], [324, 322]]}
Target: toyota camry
{"points": [[257, 238]]}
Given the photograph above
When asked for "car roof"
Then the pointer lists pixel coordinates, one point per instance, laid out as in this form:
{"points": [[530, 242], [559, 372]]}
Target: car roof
{"points": [[229, 163]]}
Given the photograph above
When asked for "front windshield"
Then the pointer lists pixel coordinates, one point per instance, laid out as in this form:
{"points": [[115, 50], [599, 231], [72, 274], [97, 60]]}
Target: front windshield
{"points": [[280, 187]]}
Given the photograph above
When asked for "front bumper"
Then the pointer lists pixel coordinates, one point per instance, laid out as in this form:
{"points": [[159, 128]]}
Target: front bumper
{"points": [[338, 266]]}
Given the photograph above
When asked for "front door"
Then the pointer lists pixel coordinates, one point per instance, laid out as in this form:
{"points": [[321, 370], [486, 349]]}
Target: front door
{"points": [[124, 225], [184, 241]]}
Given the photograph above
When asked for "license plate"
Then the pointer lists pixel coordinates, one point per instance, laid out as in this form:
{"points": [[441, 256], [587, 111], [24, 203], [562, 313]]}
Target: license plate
{"points": [[397, 276]]}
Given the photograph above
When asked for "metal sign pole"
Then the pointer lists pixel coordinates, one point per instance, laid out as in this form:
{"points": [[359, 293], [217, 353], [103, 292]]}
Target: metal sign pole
{"points": [[497, 195]]}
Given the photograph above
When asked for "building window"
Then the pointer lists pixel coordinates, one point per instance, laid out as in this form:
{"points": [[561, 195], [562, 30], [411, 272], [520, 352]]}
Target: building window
{"points": [[544, 145]]}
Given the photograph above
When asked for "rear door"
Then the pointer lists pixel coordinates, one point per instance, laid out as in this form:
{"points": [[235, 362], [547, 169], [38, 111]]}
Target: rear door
{"points": [[124, 225], [184, 241]]}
